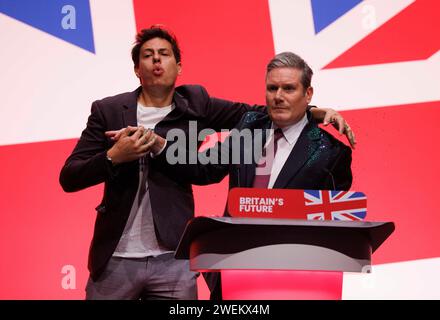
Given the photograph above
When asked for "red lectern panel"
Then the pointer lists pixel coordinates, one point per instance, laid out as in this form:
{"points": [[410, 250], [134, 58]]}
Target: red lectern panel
{"points": [[281, 285]]}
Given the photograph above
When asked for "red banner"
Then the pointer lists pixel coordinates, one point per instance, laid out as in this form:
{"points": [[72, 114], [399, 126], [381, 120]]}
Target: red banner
{"points": [[297, 204]]}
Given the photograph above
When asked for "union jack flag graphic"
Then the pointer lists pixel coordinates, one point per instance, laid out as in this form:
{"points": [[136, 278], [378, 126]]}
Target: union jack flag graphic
{"points": [[336, 205]]}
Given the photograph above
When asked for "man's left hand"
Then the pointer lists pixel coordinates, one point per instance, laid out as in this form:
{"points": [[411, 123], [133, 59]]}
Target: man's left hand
{"points": [[329, 115]]}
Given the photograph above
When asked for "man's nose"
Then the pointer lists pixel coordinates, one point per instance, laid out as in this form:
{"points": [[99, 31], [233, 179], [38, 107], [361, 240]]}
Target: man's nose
{"points": [[279, 95], [156, 57]]}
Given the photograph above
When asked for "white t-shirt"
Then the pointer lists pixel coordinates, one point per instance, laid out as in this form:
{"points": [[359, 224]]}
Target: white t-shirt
{"points": [[139, 237]]}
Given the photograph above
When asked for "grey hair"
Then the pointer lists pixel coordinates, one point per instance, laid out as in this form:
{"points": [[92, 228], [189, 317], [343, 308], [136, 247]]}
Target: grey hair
{"points": [[291, 60]]}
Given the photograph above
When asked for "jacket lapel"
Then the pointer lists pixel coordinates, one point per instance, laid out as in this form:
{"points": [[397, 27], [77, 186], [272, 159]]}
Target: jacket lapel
{"points": [[304, 149], [129, 115], [181, 106]]}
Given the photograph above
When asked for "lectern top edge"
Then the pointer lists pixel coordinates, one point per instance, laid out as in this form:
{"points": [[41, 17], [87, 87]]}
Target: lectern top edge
{"points": [[376, 232]]}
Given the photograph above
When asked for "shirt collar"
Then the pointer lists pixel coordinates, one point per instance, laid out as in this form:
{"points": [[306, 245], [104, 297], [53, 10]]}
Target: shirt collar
{"points": [[292, 132]]}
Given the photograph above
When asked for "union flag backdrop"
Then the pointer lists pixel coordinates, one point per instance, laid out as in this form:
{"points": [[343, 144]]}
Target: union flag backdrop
{"points": [[377, 61]]}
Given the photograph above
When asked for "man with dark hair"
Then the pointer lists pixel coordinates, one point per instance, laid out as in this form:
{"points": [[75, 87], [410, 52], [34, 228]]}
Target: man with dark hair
{"points": [[144, 211], [156, 31]]}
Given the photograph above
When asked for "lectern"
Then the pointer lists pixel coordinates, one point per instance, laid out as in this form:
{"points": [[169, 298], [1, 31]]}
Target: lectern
{"points": [[293, 259]]}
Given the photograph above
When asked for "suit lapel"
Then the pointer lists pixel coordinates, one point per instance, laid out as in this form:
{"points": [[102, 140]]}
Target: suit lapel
{"points": [[181, 106], [304, 149], [129, 115]]}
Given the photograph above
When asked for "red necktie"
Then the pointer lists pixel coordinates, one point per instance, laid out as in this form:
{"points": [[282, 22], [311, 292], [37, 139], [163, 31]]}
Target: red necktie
{"points": [[264, 166]]}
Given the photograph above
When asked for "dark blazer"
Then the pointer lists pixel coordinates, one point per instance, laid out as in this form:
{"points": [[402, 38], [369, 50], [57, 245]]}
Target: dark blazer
{"points": [[317, 161], [172, 202]]}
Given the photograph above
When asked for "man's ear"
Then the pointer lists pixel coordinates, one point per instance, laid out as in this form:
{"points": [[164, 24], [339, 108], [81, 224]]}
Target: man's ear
{"points": [[136, 72], [179, 68], [309, 94]]}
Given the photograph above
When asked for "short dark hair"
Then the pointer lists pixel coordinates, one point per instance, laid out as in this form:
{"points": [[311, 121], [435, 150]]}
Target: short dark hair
{"points": [[155, 31], [292, 60]]}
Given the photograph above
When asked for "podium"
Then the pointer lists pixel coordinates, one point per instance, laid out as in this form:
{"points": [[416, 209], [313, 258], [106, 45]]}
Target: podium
{"points": [[262, 258]]}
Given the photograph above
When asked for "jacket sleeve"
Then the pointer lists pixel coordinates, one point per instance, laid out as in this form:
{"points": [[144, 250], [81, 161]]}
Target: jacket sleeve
{"points": [[88, 165], [184, 170], [207, 167], [224, 114]]}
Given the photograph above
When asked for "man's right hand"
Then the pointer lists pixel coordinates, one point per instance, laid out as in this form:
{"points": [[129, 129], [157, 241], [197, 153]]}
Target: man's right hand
{"points": [[131, 144], [114, 135]]}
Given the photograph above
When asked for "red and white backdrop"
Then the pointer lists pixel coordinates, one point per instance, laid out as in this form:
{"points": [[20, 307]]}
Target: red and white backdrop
{"points": [[377, 61]]}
